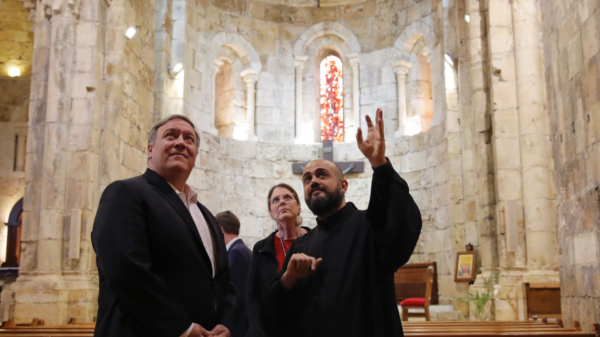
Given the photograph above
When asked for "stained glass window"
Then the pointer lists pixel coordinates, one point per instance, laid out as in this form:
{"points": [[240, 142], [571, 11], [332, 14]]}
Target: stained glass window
{"points": [[332, 99]]}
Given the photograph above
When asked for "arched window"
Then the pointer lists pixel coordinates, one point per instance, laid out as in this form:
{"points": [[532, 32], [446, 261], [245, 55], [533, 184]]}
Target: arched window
{"points": [[13, 245], [332, 99], [419, 91], [230, 95]]}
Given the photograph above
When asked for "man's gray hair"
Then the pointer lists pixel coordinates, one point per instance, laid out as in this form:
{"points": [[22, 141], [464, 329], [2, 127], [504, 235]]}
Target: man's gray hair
{"points": [[152, 135]]}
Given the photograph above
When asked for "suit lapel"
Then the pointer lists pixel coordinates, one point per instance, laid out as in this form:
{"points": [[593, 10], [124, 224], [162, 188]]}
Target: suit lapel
{"points": [[166, 191]]}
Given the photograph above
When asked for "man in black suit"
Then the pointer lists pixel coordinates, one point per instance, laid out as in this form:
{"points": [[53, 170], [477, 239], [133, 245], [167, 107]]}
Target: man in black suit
{"points": [[239, 263], [161, 257]]}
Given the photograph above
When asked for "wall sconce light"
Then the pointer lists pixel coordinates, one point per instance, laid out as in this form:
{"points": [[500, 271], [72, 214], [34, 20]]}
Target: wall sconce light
{"points": [[467, 18], [174, 71], [130, 32], [14, 72]]}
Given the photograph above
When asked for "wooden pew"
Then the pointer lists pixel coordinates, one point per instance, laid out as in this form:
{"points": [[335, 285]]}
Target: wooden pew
{"points": [[541, 328], [488, 329], [37, 328]]}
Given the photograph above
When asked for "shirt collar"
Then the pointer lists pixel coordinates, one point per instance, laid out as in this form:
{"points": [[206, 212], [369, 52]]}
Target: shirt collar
{"points": [[189, 193], [231, 243]]}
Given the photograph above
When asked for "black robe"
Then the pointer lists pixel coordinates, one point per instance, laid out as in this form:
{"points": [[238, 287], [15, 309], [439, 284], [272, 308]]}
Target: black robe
{"points": [[352, 293]]}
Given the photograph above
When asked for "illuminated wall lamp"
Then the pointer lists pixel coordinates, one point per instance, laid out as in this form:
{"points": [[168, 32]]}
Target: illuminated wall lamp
{"points": [[14, 72], [467, 18], [130, 32], [175, 70]]}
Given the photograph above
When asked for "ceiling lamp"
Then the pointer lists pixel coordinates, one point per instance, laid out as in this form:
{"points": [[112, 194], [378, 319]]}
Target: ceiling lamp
{"points": [[14, 72]]}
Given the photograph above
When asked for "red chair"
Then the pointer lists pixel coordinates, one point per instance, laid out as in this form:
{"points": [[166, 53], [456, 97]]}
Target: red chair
{"points": [[419, 303]]}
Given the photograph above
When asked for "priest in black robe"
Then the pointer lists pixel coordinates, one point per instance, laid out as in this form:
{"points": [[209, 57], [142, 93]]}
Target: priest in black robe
{"points": [[338, 280]]}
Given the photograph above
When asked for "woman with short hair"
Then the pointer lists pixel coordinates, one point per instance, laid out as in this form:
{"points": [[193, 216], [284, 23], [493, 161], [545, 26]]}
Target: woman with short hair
{"points": [[268, 254]]}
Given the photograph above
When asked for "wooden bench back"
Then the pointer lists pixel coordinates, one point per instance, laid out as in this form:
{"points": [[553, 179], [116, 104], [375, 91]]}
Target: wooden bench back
{"points": [[410, 281], [542, 299]]}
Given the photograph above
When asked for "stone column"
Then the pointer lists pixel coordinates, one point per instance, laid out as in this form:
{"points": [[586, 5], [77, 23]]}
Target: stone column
{"points": [[480, 121], [250, 76], [354, 62], [56, 276], [536, 177], [215, 69], [401, 69], [299, 73]]}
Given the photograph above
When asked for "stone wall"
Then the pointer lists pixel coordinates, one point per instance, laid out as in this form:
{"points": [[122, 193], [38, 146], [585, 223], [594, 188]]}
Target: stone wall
{"points": [[136, 114], [423, 161], [237, 175], [571, 48], [16, 38]]}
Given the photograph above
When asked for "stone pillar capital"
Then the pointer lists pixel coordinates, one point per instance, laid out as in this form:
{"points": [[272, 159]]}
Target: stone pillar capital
{"points": [[216, 65], [53, 8], [426, 52], [250, 76], [300, 61], [402, 68], [354, 59]]}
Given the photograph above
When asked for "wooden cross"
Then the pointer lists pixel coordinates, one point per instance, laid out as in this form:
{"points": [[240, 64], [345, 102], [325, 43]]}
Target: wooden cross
{"points": [[346, 166]]}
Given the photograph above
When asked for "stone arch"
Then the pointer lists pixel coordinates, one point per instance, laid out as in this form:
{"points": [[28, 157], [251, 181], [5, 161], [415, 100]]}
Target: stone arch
{"points": [[243, 48], [326, 28], [13, 217], [13, 238], [410, 36], [415, 45], [233, 56]]}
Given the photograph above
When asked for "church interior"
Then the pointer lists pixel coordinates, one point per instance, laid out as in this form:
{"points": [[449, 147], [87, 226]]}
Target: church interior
{"points": [[491, 112]]}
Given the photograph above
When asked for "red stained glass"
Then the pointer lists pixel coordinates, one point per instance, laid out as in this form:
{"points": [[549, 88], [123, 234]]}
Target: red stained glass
{"points": [[332, 99]]}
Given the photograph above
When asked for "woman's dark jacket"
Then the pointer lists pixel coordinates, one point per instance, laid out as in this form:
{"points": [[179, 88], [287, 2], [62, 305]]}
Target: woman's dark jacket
{"points": [[262, 272]]}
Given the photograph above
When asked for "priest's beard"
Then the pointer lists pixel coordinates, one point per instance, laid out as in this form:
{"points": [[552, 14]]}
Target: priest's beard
{"points": [[326, 202]]}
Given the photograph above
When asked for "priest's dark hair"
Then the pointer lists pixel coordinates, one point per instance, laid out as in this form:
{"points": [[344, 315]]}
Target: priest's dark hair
{"points": [[152, 134], [283, 185], [229, 222]]}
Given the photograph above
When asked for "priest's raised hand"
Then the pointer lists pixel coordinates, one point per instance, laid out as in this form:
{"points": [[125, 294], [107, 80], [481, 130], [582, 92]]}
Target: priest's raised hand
{"points": [[374, 146]]}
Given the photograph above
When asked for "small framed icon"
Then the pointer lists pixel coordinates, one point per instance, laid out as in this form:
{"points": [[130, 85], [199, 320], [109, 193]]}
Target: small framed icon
{"points": [[465, 266]]}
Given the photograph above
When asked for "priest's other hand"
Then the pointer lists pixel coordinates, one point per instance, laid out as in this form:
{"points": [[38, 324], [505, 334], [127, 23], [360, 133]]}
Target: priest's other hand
{"points": [[198, 331], [300, 266], [220, 331], [374, 146]]}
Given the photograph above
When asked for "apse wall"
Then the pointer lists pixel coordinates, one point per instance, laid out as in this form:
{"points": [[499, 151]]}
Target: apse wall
{"points": [[279, 42], [572, 59], [237, 175]]}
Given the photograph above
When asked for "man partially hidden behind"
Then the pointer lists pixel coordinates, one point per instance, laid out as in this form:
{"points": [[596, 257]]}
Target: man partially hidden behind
{"points": [[338, 279], [239, 263], [161, 257]]}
